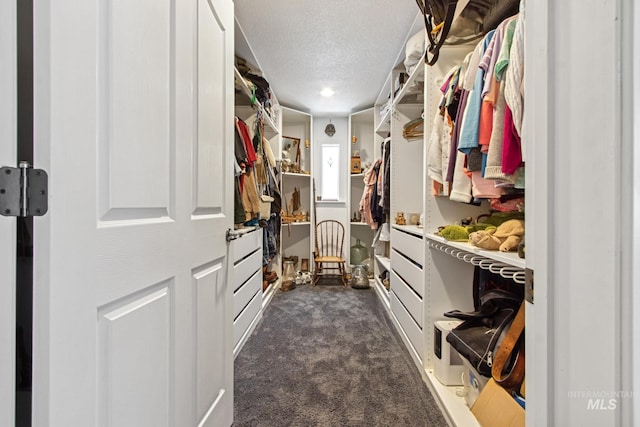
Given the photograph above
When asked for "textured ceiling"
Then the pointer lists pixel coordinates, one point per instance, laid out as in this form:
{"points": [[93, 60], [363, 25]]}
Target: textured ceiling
{"points": [[303, 46]]}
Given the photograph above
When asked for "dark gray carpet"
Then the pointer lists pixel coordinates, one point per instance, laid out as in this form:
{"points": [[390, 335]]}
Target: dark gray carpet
{"points": [[329, 356]]}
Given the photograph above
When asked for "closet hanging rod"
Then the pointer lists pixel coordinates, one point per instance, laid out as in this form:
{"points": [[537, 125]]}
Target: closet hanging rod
{"points": [[497, 267]]}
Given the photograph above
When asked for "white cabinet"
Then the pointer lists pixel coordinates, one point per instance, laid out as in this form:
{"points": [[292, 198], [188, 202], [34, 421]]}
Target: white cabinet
{"points": [[247, 285]]}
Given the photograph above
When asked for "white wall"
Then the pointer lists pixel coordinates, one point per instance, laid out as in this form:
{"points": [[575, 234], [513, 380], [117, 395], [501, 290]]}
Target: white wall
{"points": [[330, 210]]}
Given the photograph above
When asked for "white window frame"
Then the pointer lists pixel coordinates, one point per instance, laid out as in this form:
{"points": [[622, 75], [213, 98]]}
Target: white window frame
{"points": [[330, 173]]}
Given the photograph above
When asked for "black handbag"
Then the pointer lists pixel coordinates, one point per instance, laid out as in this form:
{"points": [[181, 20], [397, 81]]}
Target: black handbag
{"points": [[481, 16], [481, 331]]}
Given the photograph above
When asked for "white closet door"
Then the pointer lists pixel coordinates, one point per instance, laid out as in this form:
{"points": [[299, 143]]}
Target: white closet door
{"points": [[8, 155], [134, 124]]}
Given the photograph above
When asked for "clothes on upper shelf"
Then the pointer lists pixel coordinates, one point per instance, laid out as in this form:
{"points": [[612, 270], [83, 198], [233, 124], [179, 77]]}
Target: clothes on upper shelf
{"points": [[414, 50], [475, 149]]}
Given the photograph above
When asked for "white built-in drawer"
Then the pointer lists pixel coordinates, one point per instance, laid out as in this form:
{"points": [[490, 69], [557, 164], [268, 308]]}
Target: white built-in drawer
{"points": [[410, 328], [246, 268], [408, 244], [411, 301], [246, 292], [243, 322], [246, 244], [410, 272]]}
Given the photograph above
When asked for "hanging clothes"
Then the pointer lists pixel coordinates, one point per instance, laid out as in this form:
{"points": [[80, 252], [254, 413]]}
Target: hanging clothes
{"points": [[457, 119], [494, 157], [376, 209], [238, 207], [240, 151], [469, 135], [386, 184], [514, 77], [440, 138], [250, 197], [512, 149], [243, 130], [370, 180]]}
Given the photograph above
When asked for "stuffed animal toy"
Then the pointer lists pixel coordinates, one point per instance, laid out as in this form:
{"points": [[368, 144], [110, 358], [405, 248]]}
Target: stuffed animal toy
{"points": [[400, 219], [504, 238], [454, 233]]}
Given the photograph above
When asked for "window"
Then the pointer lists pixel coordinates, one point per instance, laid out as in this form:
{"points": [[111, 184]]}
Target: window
{"points": [[330, 172]]}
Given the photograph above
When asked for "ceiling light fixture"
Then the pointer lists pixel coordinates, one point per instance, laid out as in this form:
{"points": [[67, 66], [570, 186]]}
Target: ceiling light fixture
{"points": [[327, 92]]}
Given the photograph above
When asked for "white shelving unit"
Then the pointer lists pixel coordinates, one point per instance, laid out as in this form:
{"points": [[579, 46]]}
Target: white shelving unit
{"points": [[296, 238], [363, 140], [429, 275], [249, 298]]}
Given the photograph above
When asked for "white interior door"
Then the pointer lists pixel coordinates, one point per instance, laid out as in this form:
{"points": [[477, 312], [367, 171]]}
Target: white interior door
{"points": [[134, 124], [8, 154]]}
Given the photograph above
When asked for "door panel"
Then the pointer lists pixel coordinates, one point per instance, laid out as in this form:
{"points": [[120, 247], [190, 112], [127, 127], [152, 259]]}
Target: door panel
{"points": [[131, 392], [209, 356], [134, 109], [8, 154], [134, 122], [211, 105]]}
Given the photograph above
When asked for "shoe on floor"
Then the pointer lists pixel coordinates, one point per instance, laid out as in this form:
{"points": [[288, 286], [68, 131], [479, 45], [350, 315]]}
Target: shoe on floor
{"points": [[271, 276]]}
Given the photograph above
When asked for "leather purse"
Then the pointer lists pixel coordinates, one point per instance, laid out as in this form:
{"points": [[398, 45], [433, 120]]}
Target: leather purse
{"points": [[478, 336]]}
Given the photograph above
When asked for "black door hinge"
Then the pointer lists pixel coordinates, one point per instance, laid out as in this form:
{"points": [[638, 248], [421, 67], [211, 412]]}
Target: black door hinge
{"points": [[23, 191]]}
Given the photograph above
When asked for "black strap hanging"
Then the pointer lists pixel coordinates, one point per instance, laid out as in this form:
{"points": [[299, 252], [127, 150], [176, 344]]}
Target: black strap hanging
{"points": [[428, 13]]}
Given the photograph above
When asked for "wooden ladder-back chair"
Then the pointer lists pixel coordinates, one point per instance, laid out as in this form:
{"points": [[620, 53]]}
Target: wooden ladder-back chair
{"points": [[329, 238]]}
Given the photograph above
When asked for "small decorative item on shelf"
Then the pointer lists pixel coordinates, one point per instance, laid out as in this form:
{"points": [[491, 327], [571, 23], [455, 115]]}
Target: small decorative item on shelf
{"points": [[291, 148], [292, 214], [307, 144], [304, 265], [400, 219], [506, 237], [288, 219], [288, 276], [354, 139], [356, 166]]}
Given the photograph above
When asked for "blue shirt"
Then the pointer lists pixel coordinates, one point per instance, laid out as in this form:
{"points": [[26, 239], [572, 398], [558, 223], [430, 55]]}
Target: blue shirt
{"points": [[469, 135]]}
